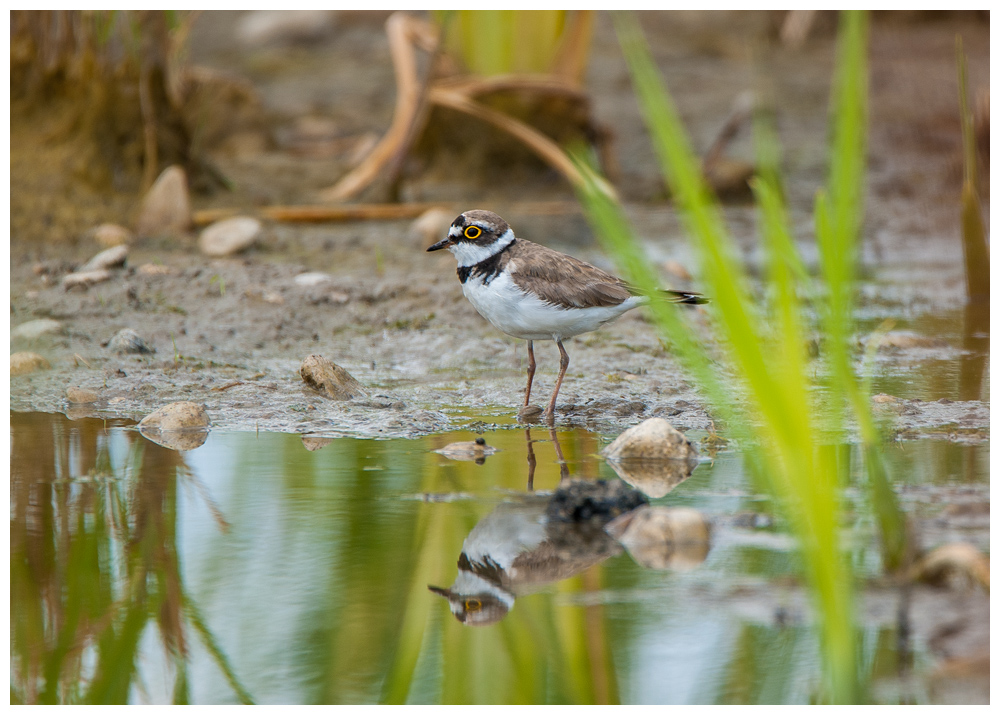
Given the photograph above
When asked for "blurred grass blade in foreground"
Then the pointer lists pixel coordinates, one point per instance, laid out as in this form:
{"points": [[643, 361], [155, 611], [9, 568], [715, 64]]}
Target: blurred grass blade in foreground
{"points": [[774, 410]]}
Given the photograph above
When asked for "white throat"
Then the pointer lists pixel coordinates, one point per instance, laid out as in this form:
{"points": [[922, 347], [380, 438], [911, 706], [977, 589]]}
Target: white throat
{"points": [[468, 583], [469, 254]]}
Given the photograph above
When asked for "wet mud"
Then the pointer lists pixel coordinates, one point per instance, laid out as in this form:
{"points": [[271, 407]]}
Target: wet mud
{"points": [[231, 333]]}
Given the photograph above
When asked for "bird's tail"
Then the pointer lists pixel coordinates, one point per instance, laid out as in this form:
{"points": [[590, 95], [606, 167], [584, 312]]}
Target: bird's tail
{"points": [[683, 296]]}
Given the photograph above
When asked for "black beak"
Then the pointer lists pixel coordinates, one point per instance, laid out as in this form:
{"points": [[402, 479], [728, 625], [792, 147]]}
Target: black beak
{"points": [[444, 243], [440, 591]]}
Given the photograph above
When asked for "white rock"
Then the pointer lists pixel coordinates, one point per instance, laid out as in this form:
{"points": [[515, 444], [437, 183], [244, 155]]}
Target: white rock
{"points": [[312, 279], [109, 258], [85, 278], [34, 329], [111, 234], [653, 439], [260, 27], [166, 210], [229, 236], [24, 363]]}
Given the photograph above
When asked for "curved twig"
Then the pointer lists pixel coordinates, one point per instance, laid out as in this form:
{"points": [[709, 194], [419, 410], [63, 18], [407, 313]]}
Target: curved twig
{"points": [[402, 30], [547, 149]]}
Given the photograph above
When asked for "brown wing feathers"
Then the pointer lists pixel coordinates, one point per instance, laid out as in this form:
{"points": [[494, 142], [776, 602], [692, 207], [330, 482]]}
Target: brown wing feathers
{"points": [[563, 280]]}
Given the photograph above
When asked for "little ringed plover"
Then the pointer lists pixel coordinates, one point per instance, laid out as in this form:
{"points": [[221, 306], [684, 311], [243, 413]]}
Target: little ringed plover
{"points": [[534, 293]]}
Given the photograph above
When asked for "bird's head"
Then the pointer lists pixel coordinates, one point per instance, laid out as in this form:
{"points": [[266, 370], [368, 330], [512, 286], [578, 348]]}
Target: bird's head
{"points": [[475, 236], [475, 609]]}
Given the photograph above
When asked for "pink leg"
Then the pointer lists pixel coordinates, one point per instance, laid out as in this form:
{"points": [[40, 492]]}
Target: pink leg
{"points": [[550, 411], [563, 467], [531, 373]]}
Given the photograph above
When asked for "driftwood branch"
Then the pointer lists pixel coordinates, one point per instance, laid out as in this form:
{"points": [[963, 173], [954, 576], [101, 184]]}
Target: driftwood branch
{"points": [[403, 31], [458, 93]]}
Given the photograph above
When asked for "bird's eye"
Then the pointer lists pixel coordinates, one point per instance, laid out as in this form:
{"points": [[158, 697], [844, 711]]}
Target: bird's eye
{"points": [[473, 604], [473, 232]]}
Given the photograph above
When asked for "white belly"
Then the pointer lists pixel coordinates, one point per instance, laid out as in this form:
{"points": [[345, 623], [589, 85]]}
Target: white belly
{"points": [[525, 316]]}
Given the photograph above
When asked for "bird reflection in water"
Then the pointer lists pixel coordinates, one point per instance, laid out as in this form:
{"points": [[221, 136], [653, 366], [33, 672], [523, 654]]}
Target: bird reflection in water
{"points": [[533, 540]]}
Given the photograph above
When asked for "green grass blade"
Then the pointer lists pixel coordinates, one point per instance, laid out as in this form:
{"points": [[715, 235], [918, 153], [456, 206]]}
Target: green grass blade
{"points": [[766, 356]]}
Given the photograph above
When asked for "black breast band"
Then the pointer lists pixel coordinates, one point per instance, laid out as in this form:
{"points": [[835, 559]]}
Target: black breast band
{"points": [[488, 268]]}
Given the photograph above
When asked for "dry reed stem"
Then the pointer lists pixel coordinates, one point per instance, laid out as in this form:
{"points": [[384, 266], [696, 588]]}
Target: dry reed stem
{"points": [[457, 93], [402, 30]]}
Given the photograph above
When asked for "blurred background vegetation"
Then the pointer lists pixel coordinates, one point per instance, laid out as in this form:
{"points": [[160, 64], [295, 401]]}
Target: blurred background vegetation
{"points": [[495, 101]]}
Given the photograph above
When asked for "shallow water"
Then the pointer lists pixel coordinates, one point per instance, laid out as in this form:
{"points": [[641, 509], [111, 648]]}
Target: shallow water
{"points": [[252, 568]]}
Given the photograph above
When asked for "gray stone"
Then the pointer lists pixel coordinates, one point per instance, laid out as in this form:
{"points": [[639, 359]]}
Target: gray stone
{"points": [[127, 341], [180, 426], [476, 451], [80, 396], [330, 379], [431, 226]]}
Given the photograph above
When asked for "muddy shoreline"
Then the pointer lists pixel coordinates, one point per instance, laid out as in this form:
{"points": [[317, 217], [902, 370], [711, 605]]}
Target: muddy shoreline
{"points": [[231, 333]]}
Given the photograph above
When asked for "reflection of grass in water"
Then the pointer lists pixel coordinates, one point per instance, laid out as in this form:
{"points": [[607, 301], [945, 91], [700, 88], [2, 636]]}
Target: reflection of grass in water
{"points": [[774, 412], [94, 563]]}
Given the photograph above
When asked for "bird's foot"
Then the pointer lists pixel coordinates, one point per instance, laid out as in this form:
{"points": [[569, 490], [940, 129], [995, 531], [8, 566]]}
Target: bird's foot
{"points": [[529, 413]]}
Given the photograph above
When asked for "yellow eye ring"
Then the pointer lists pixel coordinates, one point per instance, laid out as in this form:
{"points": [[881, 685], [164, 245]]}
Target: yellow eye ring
{"points": [[473, 232], [473, 604]]}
